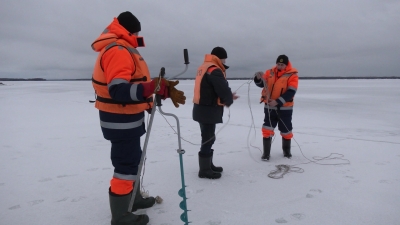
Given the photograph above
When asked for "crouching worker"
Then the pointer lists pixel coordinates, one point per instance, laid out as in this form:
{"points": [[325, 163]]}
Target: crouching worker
{"points": [[279, 87], [211, 94], [124, 91]]}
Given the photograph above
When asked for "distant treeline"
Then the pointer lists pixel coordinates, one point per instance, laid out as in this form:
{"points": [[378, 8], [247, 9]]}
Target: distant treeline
{"points": [[230, 78], [22, 79]]}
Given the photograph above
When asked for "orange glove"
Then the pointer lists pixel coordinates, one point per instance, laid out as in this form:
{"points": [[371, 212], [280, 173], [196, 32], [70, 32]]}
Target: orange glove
{"points": [[177, 96]]}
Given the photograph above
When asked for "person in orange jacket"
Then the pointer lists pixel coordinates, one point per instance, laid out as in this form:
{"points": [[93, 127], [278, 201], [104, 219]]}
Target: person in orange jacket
{"points": [[124, 90], [211, 94], [279, 88]]}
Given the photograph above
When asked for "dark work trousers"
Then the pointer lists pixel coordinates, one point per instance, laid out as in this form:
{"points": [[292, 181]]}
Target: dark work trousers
{"points": [[283, 120], [125, 155], [207, 137]]}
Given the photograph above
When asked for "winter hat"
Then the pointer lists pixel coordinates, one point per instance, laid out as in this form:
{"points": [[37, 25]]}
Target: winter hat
{"points": [[129, 22], [282, 59], [219, 52]]}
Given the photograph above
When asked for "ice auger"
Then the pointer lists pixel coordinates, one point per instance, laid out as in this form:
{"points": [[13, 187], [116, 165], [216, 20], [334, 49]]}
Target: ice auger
{"points": [[157, 102]]}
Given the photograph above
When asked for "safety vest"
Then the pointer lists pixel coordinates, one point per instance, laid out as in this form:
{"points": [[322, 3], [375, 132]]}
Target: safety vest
{"points": [[209, 61], [104, 102], [276, 87]]}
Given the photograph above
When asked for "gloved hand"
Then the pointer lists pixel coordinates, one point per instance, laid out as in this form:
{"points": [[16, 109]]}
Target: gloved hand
{"points": [[177, 96], [156, 86], [259, 75]]}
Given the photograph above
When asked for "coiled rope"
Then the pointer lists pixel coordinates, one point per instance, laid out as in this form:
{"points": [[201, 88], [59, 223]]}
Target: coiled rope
{"points": [[281, 169]]}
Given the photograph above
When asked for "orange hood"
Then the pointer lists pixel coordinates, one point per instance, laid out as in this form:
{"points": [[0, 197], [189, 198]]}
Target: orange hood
{"points": [[113, 32]]}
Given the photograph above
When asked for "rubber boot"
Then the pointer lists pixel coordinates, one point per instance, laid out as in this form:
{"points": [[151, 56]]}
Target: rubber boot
{"points": [[205, 167], [140, 202], [286, 147], [266, 149], [217, 169], [119, 210]]}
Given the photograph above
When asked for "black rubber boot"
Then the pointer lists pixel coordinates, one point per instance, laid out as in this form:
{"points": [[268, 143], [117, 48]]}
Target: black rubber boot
{"points": [[286, 147], [119, 210], [266, 148], [217, 169], [140, 202], [205, 167]]}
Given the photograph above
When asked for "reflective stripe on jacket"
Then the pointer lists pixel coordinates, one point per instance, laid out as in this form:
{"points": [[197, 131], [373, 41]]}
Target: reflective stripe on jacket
{"points": [[278, 84], [101, 82]]}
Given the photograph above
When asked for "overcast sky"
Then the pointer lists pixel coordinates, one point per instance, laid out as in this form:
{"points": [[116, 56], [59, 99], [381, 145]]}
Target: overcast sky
{"points": [[51, 39]]}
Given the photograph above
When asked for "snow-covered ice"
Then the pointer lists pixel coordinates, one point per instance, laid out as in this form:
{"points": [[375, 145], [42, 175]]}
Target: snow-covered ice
{"points": [[55, 166]]}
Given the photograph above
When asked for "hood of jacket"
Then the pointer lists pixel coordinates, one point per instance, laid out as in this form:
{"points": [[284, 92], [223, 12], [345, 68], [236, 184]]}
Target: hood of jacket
{"points": [[112, 33]]}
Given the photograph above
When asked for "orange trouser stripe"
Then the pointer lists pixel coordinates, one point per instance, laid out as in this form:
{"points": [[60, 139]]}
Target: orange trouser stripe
{"points": [[287, 136], [121, 187], [267, 133]]}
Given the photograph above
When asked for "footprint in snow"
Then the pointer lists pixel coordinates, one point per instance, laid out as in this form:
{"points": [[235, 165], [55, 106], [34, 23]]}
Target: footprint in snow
{"points": [[14, 207], [161, 211], [199, 191], [280, 220], [35, 202], [78, 199], [297, 216], [314, 191], [62, 200]]}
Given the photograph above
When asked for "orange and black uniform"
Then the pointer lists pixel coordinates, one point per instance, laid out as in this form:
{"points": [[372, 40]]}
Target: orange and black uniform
{"points": [[211, 94], [117, 75], [282, 87]]}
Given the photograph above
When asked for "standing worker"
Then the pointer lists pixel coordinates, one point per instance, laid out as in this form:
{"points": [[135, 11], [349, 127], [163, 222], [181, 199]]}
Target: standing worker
{"points": [[211, 94], [121, 80], [279, 87]]}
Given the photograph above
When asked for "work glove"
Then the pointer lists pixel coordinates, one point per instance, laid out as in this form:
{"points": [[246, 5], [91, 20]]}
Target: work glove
{"points": [[155, 86], [177, 96], [164, 88], [258, 75]]}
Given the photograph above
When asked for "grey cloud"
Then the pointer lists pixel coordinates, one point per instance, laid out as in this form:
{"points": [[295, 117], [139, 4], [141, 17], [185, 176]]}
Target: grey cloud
{"points": [[51, 39]]}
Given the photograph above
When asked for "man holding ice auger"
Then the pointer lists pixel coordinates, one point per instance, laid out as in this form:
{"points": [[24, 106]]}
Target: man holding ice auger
{"points": [[124, 90]]}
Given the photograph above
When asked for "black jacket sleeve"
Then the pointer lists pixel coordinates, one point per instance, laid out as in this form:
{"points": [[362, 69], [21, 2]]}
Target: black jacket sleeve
{"points": [[221, 86], [285, 97]]}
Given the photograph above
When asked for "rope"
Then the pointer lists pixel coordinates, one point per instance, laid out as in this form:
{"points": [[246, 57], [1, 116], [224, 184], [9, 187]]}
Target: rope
{"points": [[281, 169], [215, 136]]}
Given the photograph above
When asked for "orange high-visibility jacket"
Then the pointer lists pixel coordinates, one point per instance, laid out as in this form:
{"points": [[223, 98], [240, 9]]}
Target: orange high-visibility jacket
{"points": [[278, 82], [209, 61], [131, 67]]}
